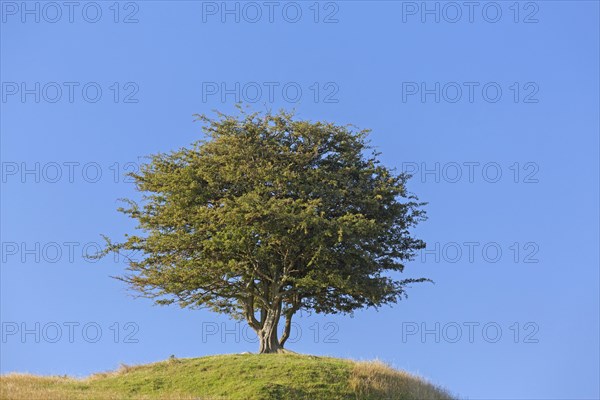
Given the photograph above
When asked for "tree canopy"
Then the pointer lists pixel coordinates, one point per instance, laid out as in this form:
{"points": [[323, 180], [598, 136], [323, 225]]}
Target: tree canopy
{"points": [[268, 215]]}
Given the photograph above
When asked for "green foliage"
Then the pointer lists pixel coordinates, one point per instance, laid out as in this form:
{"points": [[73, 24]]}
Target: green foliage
{"points": [[269, 215]]}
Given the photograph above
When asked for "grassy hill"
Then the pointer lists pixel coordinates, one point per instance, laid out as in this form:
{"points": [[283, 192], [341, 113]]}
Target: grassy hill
{"points": [[236, 376]]}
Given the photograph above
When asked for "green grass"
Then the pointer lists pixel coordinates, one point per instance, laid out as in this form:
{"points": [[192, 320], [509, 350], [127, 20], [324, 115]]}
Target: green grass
{"points": [[236, 376]]}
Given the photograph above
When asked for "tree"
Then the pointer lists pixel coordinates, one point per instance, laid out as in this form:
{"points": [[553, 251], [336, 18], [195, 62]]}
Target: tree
{"points": [[267, 216]]}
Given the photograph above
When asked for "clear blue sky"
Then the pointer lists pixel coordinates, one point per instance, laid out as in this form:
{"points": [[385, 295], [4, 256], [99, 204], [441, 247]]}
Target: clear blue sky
{"points": [[517, 253]]}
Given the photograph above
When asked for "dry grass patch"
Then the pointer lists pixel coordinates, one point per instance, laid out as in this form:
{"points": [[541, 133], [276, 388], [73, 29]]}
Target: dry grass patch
{"points": [[377, 380], [32, 387]]}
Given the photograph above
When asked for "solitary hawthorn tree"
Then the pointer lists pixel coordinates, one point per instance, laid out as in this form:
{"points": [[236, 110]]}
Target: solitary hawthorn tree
{"points": [[267, 216]]}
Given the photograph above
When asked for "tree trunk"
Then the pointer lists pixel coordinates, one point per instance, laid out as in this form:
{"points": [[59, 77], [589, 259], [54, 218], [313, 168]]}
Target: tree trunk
{"points": [[269, 344], [266, 328], [267, 336]]}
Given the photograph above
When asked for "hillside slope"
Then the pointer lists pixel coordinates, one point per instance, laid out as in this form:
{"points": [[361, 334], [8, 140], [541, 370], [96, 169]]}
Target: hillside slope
{"points": [[236, 376]]}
